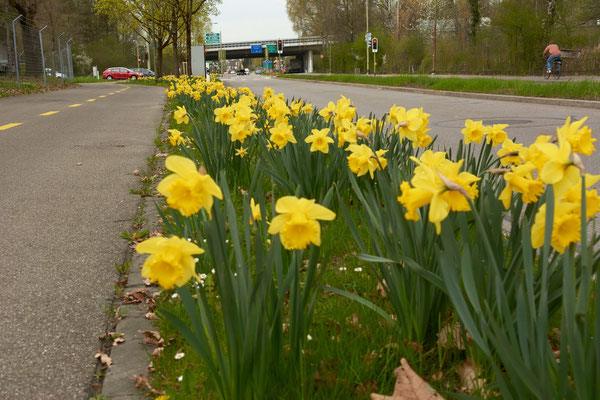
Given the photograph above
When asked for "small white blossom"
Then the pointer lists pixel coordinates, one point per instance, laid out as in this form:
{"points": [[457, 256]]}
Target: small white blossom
{"points": [[180, 378], [213, 271], [189, 239], [174, 296], [309, 337], [203, 276], [196, 259], [179, 356], [342, 268], [357, 269]]}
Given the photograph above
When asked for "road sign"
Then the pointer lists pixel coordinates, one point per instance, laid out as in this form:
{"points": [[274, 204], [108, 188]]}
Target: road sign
{"points": [[212, 38], [368, 37], [267, 64], [256, 48], [271, 48]]}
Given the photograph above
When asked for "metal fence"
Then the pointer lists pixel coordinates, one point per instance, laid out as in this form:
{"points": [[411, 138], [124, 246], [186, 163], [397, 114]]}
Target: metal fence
{"points": [[29, 53]]}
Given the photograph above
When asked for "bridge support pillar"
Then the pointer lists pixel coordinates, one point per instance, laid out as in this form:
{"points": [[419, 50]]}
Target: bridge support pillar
{"points": [[308, 61]]}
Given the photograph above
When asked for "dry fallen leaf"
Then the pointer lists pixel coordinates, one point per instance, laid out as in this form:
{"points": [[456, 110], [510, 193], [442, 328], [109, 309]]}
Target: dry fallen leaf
{"points": [[147, 282], [452, 336], [104, 358], [381, 288], [409, 386], [467, 374], [161, 155], [136, 172], [137, 296], [151, 316], [141, 381], [118, 341], [79, 164], [157, 352]]}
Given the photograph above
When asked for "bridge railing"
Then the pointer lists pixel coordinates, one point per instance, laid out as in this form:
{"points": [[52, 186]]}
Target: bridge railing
{"points": [[304, 41]]}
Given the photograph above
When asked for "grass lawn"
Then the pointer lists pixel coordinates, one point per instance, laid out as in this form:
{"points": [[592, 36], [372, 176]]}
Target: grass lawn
{"points": [[587, 90]]}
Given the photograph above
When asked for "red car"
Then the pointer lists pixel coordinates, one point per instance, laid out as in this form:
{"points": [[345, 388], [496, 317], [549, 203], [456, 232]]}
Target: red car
{"points": [[120, 73]]}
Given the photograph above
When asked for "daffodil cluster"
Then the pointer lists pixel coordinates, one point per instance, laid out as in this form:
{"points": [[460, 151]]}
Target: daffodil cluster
{"points": [[475, 131], [411, 124], [439, 183]]}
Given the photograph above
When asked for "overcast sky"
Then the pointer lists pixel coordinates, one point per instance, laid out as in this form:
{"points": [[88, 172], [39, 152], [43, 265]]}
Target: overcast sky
{"points": [[248, 20]]}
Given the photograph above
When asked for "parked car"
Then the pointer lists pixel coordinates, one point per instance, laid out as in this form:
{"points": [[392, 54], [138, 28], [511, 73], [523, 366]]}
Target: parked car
{"points": [[56, 73], [120, 73], [144, 71], [258, 71], [241, 72]]}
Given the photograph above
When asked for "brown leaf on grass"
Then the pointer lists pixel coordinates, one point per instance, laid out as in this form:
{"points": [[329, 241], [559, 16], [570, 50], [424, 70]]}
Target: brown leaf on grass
{"points": [[137, 296], [158, 352], [151, 316], [153, 338], [451, 335], [468, 377], [118, 341], [409, 386], [141, 381], [381, 288], [202, 170], [148, 282], [353, 320], [161, 155], [104, 358]]}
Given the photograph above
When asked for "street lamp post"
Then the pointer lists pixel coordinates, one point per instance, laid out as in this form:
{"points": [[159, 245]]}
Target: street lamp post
{"points": [[62, 74], [42, 51], [16, 51], [367, 13]]}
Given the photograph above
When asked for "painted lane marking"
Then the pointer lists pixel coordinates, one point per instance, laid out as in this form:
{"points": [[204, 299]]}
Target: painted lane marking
{"points": [[74, 105], [8, 126], [111, 93], [49, 113], [90, 100], [102, 96]]}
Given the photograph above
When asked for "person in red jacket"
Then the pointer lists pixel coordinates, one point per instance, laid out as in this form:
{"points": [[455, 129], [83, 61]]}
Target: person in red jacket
{"points": [[554, 53]]}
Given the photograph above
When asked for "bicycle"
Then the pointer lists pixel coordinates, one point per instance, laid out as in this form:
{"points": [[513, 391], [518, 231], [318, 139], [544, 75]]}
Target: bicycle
{"points": [[556, 67]]}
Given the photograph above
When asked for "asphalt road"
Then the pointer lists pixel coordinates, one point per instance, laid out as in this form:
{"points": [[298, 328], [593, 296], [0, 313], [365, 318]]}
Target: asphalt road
{"points": [[448, 114], [64, 181]]}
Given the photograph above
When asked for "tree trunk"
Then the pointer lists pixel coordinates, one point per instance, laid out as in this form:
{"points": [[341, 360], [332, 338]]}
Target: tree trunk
{"points": [[188, 34], [159, 61], [175, 36]]}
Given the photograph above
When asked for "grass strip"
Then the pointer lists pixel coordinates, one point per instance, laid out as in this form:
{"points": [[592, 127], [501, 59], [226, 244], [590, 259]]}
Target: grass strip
{"points": [[586, 90]]}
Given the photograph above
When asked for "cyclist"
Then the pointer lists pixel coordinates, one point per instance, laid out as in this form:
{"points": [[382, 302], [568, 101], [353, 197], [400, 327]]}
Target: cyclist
{"points": [[554, 53]]}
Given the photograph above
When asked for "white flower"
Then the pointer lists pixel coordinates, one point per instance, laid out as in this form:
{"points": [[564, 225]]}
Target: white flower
{"points": [[309, 337], [342, 268], [204, 240], [202, 276], [174, 296], [212, 271], [357, 269], [179, 356], [180, 378], [196, 259], [189, 239]]}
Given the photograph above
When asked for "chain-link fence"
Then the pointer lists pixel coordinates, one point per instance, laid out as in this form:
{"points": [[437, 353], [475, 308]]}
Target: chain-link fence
{"points": [[28, 53]]}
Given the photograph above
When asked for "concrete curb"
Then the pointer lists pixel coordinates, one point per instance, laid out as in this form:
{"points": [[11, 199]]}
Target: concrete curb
{"points": [[132, 357], [483, 96]]}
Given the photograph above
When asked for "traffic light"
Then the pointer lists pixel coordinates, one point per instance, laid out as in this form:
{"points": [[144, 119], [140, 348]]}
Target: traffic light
{"points": [[280, 46], [374, 45], [139, 60]]}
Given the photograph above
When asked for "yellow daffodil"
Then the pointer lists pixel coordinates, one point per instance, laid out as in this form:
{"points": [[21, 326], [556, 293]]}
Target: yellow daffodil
{"points": [[281, 134], [181, 115], [509, 153], [170, 262], [592, 200], [328, 112], [255, 209], [297, 222], [363, 160], [176, 137], [278, 111], [565, 228], [559, 170], [307, 108], [268, 92], [364, 126], [534, 154], [580, 138], [295, 108], [495, 134], [521, 180], [473, 131], [224, 115], [186, 189], [320, 141], [241, 152], [408, 123], [443, 187]]}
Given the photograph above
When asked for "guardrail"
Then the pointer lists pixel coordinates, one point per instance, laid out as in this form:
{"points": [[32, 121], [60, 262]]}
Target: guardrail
{"points": [[305, 41]]}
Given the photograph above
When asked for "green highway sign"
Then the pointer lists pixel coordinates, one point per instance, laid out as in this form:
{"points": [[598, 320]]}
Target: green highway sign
{"points": [[212, 38], [271, 48]]}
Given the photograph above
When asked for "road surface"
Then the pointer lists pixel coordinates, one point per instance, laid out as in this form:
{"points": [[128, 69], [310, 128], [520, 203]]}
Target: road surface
{"points": [[66, 162], [448, 114]]}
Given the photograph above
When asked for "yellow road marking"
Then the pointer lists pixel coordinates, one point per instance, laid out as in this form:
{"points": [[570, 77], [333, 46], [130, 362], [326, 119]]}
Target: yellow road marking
{"points": [[50, 112], [102, 96], [74, 105], [90, 100], [8, 126], [111, 93]]}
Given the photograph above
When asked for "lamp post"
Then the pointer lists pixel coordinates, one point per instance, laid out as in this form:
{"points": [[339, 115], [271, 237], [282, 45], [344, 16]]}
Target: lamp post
{"points": [[16, 52], [69, 60], [62, 74], [367, 14], [42, 51]]}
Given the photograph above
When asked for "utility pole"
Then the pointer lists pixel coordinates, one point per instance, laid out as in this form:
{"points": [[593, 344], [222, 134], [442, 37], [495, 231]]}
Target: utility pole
{"points": [[435, 18], [367, 34]]}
